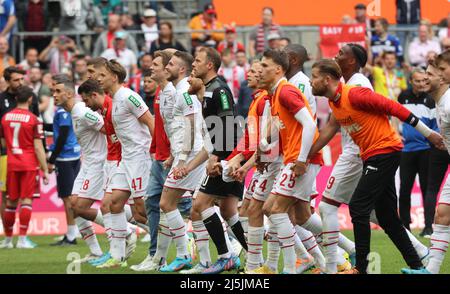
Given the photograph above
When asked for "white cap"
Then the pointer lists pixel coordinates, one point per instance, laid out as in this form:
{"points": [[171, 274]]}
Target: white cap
{"points": [[273, 36], [149, 12]]}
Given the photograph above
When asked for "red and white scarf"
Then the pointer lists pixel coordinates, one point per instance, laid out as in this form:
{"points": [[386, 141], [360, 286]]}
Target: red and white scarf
{"points": [[260, 36]]}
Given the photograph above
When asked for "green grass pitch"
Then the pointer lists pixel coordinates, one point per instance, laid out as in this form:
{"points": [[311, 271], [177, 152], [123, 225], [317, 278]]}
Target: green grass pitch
{"points": [[54, 260]]}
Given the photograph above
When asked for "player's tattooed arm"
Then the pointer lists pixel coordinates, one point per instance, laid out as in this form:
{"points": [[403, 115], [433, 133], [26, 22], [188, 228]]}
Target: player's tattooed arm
{"points": [[325, 135]]}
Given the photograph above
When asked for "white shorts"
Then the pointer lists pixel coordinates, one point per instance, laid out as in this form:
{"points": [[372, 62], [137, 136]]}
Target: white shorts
{"points": [[90, 182], [301, 187], [343, 179], [267, 180], [188, 183], [445, 193], [111, 168], [133, 176]]}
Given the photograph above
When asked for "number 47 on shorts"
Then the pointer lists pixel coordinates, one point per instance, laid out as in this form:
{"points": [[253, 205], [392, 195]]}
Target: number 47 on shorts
{"points": [[136, 184]]}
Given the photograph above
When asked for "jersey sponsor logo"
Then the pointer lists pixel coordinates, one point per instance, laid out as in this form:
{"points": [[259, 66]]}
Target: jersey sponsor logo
{"points": [[302, 87], [91, 117], [134, 101], [224, 100], [65, 115], [187, 98]]}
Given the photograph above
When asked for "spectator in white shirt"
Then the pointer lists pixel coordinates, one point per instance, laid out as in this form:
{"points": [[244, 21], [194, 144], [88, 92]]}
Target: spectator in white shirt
{"points": [[150, 27], [122, 54], [419, 48]]}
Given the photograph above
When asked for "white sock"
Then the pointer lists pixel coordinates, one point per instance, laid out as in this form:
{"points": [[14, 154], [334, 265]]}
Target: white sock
{"points": [[178, 228], [421, 249], [107, 221], [128, 212], [226, 229], [330, 235], [164, 239], [201, 237], [8, 239], [300, 250], [439, 245], [309, 241], [255, 247], [22, 239], [273, 247], [71, 232], [286, 233], [87, 231], [346, 244], [244, 223], [119, 234], [99, 219], [314, 224]]}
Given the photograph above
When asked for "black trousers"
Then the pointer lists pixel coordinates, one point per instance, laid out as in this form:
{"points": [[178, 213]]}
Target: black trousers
{"points": [[411, 164], [376, 190], [437, 168]]}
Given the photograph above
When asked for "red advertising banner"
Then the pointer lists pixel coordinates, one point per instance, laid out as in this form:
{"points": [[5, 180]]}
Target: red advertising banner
{"points": [[334, 37]]}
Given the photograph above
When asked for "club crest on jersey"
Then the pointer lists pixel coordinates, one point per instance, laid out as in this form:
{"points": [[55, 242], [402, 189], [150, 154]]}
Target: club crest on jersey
{"points": [[224, 100], [349, 125], [187, 98], [302, 87], [91, 117], [134, 101]]}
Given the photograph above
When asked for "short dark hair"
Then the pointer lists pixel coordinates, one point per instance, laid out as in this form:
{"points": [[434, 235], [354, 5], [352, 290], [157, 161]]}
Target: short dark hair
{"points": [[360, 53], [146, 73], [165, 55], [270, 9], [280, 57], [213, 56], [114, 67], [90, 86], [384, 23], [186, 58], [12, 70], [286, 39], [97, 61], [443, 57], [385, 53], [329, 67], [23, 94], [61, 78]]}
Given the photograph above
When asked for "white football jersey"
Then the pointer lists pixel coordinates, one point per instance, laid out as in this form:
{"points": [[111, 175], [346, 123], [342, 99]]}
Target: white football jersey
{"points": [[443, 118], [166, 104], [301, 81], [185, 105], [348, 146], [134, 136], [86, 125]]}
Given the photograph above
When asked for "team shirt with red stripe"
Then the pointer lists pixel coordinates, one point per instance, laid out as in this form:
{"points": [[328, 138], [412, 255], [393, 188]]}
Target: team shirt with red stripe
{"points": [[247, 144], [114, 147], [364, 115], [19, 129]]}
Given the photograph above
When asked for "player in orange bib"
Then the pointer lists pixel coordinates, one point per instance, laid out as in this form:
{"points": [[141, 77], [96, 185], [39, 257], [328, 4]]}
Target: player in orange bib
{"points": [[297, 132], [364, 115]]}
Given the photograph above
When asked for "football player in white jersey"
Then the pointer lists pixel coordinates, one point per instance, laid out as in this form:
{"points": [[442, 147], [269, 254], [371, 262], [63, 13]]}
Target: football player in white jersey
{"points": [[438, 74], [134, 125], [88, 186], [184, 126], [298, 55]]}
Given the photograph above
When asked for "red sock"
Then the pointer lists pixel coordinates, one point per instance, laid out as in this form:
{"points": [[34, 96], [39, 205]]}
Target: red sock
{"points": [[9, 218], [24, 217]]}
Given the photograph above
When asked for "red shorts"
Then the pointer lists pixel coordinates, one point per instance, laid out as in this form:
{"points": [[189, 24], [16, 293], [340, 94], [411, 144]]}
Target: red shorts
{"points": [[22, 184]]}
